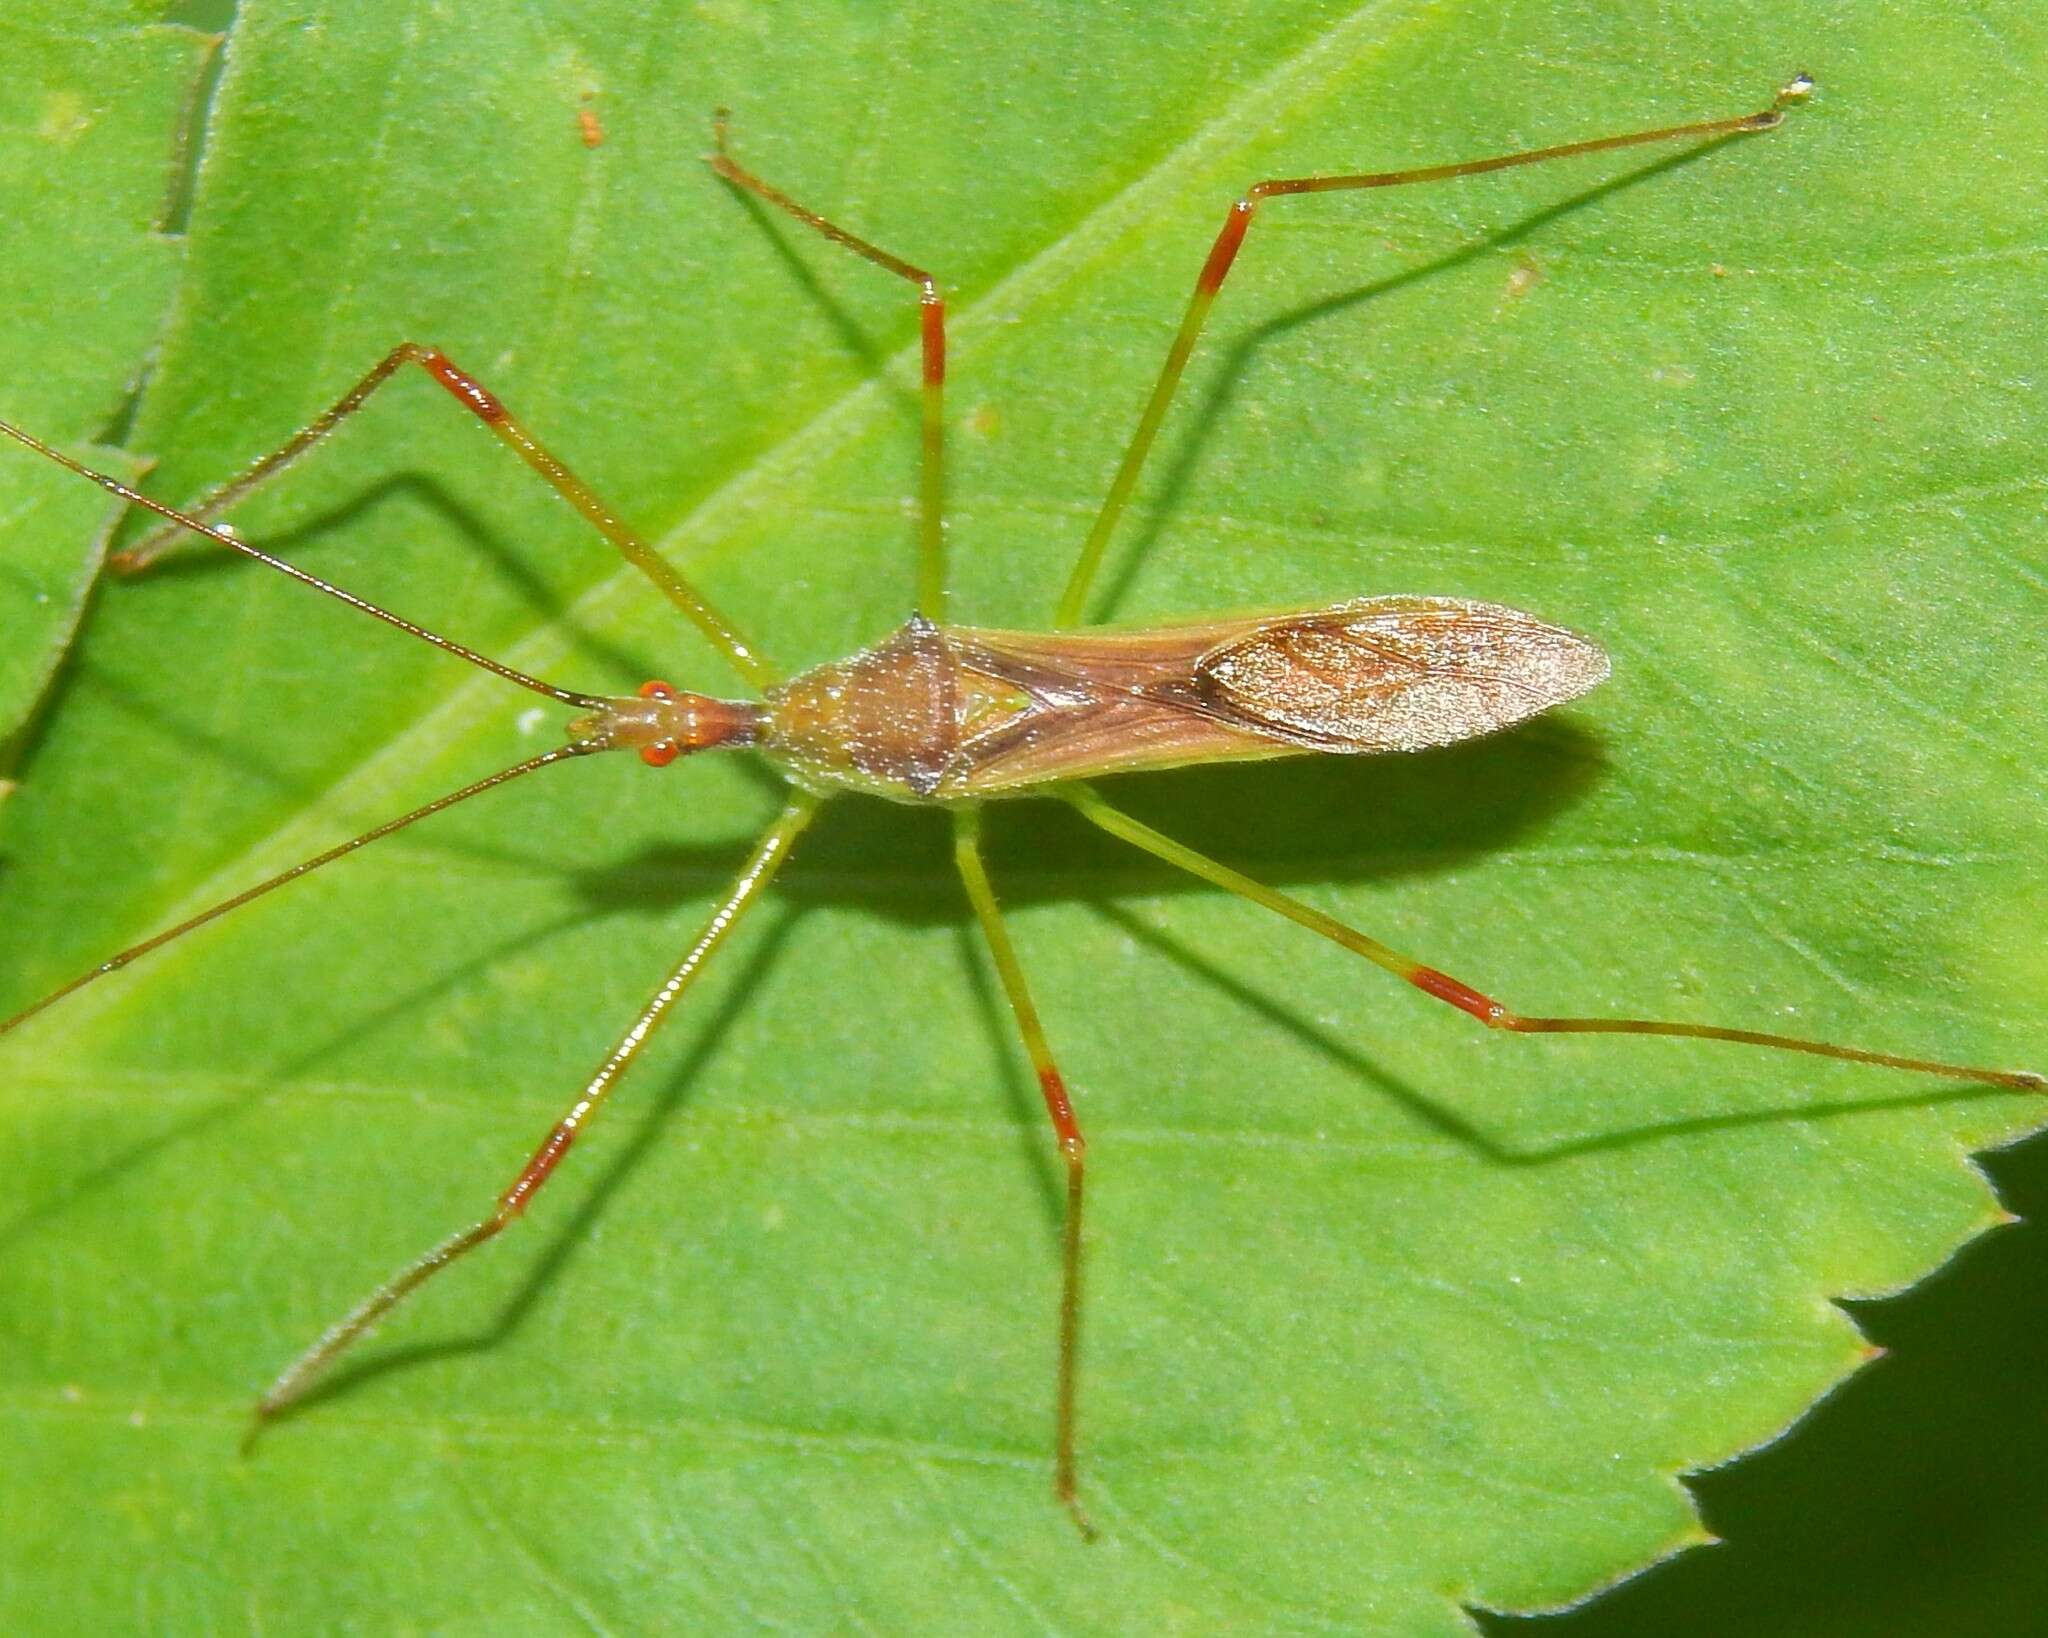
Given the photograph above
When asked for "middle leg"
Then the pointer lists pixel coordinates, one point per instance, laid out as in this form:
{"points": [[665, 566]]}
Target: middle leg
{"points": [[768, 855], [967, 853]]}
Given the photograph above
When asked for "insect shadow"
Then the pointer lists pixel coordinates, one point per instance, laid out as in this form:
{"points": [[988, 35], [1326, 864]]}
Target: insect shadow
{"points": [[570, 1238], [1309, 811], [511, 569]]}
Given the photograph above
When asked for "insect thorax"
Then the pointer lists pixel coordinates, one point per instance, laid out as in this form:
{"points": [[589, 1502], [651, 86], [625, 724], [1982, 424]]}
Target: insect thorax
{"points": [[884, 720], [930, 714]]}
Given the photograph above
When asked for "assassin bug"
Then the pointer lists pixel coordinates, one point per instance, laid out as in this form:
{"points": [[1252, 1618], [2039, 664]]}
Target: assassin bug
{"points": [[955, 715]]}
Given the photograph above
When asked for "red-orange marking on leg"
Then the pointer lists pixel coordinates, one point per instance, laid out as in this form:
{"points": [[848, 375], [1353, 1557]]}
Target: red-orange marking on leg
{"points": [[472, 393], [1061, 1108], [1224, 251], [544, 1160], [1460, 995], [932, 315]]}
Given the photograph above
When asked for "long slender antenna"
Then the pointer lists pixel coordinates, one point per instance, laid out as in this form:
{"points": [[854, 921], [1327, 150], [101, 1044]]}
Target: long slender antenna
{"points": [[113, 964], [233, 543]]}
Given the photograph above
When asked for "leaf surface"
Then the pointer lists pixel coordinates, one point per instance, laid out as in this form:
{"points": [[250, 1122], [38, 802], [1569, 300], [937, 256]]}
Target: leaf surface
{"points": [[1385, 1316], [89, 151]]}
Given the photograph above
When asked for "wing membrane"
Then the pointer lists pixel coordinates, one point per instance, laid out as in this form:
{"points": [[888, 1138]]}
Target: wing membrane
{"points": [[1396, 673]]}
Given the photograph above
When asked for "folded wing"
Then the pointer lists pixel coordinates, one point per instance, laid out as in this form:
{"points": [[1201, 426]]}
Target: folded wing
{"points": [[1395, 673]]}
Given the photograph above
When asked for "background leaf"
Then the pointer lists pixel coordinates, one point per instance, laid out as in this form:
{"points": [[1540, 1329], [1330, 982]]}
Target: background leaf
{"points": [[89, 167], [1385, 1317]]}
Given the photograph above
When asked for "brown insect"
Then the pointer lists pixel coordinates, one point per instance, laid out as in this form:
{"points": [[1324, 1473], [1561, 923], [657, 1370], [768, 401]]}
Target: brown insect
{"points": [[949, 714]]}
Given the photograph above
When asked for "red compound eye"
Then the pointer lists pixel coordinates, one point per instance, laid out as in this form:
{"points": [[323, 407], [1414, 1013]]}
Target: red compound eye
{"points": [[656, 691], [660, 756]]}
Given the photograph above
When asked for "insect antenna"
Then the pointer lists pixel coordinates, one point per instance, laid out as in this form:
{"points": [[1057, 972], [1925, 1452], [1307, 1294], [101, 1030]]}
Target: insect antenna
{"points": [[590, 734], [227, 538], [305, 867]]}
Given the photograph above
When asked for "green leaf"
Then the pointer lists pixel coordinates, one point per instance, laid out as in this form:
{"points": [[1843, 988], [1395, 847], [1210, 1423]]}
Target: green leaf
{"points": [[1385, 1315], [89, 135]]}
